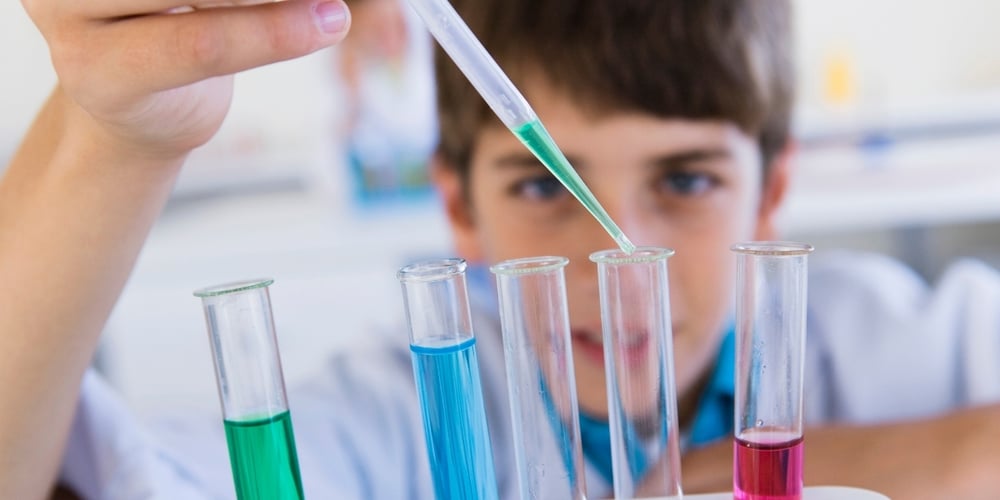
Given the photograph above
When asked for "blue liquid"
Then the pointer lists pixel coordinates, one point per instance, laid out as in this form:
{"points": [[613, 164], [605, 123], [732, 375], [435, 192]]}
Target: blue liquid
{"points": [[458, 441]]}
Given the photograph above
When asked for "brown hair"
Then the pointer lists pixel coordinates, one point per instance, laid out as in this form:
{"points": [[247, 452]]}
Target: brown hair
{"points": [[696, 59]]}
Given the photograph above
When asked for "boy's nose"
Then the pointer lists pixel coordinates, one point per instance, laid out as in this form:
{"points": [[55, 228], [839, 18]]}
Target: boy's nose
{"points": [[630, 221]]}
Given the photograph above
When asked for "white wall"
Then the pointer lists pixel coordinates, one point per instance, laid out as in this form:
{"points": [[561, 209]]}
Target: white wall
{"points": [[27, 76], [912, 48], [918, 59]]}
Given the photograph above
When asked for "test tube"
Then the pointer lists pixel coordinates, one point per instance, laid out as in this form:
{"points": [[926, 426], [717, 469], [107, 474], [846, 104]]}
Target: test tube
{"points": [[770, 346], [639, 367], [252, 390], [446, 370], [540, 379]]}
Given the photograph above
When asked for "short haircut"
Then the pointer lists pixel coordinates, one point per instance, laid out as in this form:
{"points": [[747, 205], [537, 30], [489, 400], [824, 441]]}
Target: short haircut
{"points": [[726, 60]]}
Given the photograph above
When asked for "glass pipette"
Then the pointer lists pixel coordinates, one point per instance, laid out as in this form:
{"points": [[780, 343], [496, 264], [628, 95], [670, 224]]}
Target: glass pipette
{"points": [[509, 105]]}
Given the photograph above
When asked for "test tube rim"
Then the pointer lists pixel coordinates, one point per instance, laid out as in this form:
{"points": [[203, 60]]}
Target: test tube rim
{"points": [[772, 248], [529, 265], [641, 255], [431, 270], [233, 287]]}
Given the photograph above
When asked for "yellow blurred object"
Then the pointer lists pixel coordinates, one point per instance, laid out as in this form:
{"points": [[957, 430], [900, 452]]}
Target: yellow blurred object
{"points": [[839, 82]]}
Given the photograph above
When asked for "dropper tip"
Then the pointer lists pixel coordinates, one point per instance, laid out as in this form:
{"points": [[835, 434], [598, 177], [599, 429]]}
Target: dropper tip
{"points": [[625, 244]]}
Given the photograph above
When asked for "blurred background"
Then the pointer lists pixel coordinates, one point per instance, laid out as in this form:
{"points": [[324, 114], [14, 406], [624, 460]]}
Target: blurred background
{"points": [[317, 177]]}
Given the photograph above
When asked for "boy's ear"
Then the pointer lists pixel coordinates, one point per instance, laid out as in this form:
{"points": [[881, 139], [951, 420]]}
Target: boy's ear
{"points": [[457, 207], [774, 192]]}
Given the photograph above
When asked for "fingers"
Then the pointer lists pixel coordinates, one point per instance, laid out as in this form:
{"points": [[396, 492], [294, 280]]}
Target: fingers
{"points": [[114, 9], [159, 52]]}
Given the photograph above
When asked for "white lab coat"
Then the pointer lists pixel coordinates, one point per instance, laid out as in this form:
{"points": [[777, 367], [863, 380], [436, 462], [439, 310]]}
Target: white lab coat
{"points": [[881, 345], [884, 346]]}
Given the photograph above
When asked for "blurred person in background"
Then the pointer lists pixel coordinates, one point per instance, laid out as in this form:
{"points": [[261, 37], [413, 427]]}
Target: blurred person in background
{"points": [[389, 129]]}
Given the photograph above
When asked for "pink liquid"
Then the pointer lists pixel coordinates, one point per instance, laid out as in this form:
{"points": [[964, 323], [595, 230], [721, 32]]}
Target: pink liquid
{"points": [[766, 469]]}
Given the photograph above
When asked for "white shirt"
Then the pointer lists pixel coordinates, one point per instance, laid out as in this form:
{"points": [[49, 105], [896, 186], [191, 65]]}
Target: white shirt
{"points": [[882, 345]]}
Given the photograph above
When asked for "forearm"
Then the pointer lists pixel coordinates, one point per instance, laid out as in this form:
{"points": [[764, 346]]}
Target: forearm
{"points": [[951, 456], [873, 457], [75, 208]]}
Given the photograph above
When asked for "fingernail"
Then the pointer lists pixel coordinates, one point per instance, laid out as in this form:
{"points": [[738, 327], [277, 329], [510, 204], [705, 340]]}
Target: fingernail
{"points": [[331, 16]]}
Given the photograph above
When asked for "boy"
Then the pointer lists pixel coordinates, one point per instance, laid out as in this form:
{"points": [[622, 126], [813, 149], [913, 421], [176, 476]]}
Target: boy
{"points": [[679, 124], [676, 115]]}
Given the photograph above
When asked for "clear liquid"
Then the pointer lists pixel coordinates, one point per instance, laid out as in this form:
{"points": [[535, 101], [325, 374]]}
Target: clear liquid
{"points": [[538, 140], [458, 441], [263, 458], [767, 466]]}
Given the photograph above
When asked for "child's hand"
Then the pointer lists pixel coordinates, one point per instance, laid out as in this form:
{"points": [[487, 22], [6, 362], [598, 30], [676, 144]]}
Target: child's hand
{"points": [[154, 76]]}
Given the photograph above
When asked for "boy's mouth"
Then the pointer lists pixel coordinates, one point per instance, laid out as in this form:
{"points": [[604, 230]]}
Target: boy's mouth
{"points": [[591, 345]]}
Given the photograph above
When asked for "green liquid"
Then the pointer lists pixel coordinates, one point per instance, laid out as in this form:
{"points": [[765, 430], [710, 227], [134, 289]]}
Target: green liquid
{"points": [[538, 140], [262, 454]]}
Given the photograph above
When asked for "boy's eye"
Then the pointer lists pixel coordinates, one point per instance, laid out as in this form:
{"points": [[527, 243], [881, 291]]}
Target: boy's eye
{"points": [[688, 183], [541, 188]]}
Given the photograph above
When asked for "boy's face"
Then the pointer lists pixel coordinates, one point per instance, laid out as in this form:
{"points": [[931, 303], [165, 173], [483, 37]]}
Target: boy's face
{"points": [[694, 186]]}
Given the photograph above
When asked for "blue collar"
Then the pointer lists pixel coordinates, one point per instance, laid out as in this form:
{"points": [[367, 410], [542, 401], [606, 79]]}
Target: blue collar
{"points": [[713, 417]]}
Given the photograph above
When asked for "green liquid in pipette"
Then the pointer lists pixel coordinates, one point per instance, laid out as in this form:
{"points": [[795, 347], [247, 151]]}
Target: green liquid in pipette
{"points": [[538, 140], [262, 454]]}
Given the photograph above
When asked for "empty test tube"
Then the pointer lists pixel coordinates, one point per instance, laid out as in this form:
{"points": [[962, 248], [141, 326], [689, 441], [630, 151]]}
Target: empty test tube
{"points": [[540, 379], [638, 358]]}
